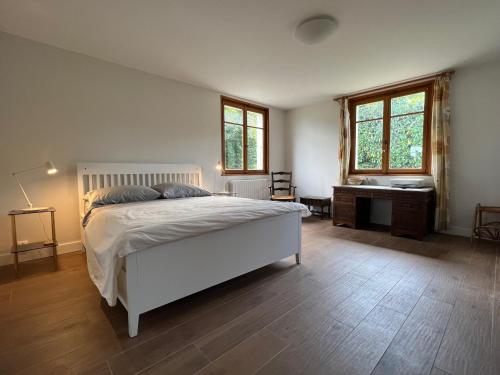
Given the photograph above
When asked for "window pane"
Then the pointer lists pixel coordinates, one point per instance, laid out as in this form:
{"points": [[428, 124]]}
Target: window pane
{"points": [[255, 119], [407, 140], [369, 144], [255, 148], [233, 114], [233, 135], [370, 111], [408, 104]]}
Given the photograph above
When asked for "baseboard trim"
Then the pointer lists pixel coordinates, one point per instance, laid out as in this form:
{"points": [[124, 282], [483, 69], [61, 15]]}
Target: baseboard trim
{"points": [[64, 248], [458, 231]]}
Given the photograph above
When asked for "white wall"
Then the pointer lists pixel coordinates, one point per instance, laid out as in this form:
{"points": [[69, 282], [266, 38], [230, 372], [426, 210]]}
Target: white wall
{"points": [[475, 174], [66, 107], [312, 145]]}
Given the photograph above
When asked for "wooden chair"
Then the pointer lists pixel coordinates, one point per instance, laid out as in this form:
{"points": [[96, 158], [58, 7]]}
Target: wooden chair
{"points": [[282, 181]]}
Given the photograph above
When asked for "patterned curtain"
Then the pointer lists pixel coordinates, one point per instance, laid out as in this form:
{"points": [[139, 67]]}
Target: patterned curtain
{"points": [[344, 149], [440, 148]]}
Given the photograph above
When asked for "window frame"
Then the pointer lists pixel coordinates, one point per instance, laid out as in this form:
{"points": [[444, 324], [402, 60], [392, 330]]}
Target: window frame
{"points": [[386, 97], [245, 106]]}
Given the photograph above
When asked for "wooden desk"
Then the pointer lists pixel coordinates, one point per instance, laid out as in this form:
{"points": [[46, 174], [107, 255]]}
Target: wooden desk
{"points": [[412, 209]]}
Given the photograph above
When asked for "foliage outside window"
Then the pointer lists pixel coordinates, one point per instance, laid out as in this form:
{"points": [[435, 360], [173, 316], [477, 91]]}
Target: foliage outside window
{"points": [[390, 132], [244, 137]]}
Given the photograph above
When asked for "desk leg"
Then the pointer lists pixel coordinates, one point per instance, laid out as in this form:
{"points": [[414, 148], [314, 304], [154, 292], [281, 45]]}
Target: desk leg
{"points": [[14, 244]]}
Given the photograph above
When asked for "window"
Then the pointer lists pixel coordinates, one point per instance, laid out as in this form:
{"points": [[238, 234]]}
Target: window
{"points": [[390, 132], [244, 137]]}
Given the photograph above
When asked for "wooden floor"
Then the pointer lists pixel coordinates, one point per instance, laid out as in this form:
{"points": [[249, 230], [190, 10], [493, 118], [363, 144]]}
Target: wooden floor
{"points": [[361, 303]]}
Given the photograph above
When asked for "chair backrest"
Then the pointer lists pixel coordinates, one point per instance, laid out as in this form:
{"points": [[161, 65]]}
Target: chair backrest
{"points": [[281, 181]]}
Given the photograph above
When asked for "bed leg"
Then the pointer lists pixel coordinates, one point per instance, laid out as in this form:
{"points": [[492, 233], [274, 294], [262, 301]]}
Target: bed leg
{"points": [[297, 258], [133, 324]]}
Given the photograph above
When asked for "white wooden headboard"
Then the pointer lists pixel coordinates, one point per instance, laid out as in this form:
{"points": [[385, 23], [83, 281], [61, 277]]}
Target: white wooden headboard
{"points": [[100, 175]]}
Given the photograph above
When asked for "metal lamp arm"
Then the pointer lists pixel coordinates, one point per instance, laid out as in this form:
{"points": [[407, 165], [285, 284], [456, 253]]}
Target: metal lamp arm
{"points": [[51, 169], [22, 189], [28, 170]]}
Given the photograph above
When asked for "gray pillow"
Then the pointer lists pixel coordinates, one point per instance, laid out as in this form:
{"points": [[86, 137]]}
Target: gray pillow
{"points": [[120, 194], [173, 190]]}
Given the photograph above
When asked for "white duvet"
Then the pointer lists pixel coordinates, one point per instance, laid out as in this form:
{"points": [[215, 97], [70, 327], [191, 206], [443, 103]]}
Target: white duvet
{"points": [[114, 231]]}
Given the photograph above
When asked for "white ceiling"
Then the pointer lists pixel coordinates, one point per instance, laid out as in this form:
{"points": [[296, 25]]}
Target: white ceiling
{"points": [[246, 48]]}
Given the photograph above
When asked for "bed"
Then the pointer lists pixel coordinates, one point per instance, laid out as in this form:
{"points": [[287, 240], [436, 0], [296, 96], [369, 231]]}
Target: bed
{"points": [[164, 272]]}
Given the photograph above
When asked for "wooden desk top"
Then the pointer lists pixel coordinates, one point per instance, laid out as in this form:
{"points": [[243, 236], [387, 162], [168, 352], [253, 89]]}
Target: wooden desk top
{"points": [[381, 187], [315, 197], [34, 210]]}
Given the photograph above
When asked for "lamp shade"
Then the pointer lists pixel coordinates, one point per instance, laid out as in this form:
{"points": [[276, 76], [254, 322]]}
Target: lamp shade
{"points": [[51, 168]]}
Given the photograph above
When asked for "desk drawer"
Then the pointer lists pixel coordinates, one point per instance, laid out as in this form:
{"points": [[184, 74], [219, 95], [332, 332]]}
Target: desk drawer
{"points": [[344, 190], [408, 206], [408, 223], [409, 218], [344, 199], [344, 214], [411, 196]]}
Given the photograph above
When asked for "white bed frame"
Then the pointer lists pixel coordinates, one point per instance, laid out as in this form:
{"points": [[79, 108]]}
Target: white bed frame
{"points": [[165, 273]]}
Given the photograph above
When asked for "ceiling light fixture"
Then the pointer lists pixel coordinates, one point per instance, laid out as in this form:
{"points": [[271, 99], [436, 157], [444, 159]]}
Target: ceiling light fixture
{"points": [[314, 30]]}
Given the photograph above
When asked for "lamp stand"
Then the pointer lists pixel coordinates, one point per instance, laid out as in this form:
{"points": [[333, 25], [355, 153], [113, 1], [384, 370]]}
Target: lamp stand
{"points": [[30, 205]]}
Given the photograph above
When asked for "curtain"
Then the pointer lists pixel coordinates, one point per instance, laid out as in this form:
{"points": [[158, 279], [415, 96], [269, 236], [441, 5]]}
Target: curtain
{"points": [[440, 148], [344, 147]]}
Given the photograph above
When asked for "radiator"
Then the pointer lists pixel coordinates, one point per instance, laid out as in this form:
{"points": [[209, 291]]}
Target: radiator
{"points": [[255, 189]]}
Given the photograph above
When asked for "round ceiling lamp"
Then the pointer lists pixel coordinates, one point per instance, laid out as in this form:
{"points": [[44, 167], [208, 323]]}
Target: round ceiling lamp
{"points": [[315, 29]]}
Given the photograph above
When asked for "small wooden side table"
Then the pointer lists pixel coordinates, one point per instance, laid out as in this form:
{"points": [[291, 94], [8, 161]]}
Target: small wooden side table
{"points": [[319, 202], [16, 248]]}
